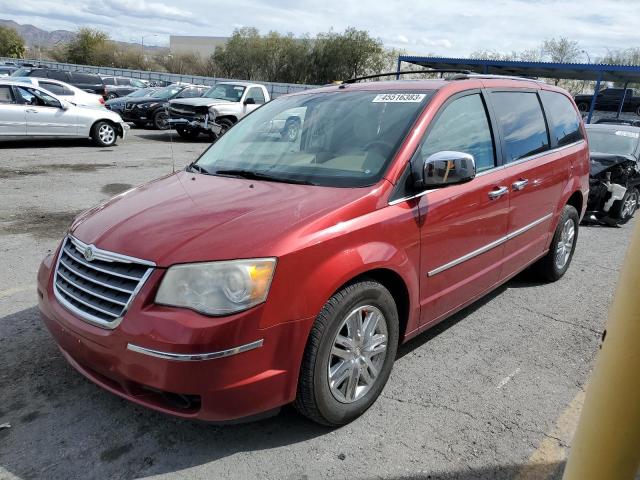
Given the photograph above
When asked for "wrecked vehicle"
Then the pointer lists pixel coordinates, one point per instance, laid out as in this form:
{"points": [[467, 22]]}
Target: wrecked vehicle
{"points": [[614, 174], [217, 110]]}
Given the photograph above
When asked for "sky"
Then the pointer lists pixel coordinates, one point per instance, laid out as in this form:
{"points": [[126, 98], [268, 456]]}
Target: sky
{"points": [[448, 28]]}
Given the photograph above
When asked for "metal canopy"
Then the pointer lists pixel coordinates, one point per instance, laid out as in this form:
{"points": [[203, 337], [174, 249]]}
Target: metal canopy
{"points": [[573, 71]]}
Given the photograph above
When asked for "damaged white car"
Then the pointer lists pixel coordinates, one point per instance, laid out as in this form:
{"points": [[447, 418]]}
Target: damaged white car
{"points": [[614, 183]]}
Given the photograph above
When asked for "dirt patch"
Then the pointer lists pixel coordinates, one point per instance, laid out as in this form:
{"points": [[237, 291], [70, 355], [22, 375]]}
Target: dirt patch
{"points": [[115, 188], [76, 167], [16, 172], [38, 223]]}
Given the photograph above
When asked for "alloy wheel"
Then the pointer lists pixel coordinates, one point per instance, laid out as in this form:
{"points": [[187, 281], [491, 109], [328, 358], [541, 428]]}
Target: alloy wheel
{"points": [[358, 354], [565, 244], [107, 134], [630, 205]]}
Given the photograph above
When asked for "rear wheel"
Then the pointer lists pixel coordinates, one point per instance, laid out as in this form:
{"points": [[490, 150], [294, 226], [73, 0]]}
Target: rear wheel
{"points": [[104, 134], [161, 119], [556, 262], [624, 209], [583, 107], [349, 354], [111, 96]]}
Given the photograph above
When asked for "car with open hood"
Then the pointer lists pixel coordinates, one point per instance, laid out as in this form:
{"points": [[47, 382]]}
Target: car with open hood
{"points": [[615, 173], [272, 271]]}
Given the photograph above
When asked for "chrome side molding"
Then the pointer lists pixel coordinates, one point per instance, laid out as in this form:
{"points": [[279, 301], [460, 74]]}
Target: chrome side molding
{"points": [[195, 357], [487, 247]]}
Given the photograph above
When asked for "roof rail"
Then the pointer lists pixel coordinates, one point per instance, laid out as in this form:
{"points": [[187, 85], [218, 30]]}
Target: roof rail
{"points": [[469, 75], [407, 72]]}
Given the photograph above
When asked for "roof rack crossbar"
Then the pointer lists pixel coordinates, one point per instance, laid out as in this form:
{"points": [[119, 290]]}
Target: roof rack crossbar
{"points": [[407, 72], [466, 76]]}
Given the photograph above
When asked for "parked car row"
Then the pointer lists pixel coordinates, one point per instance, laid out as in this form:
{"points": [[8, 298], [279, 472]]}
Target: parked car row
{"points": [[609, 99]]}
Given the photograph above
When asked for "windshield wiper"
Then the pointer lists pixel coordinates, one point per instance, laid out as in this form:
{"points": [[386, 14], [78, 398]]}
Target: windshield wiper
{"points": [[251, 175], [193, 166]]}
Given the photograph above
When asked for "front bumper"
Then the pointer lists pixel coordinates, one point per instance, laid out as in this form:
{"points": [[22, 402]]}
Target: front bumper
{"points": [[202, 125], [179, 362], [124, 129]]}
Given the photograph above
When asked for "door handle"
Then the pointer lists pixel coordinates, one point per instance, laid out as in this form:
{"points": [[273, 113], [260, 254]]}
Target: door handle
{"points": [[498, 192], [520, 184], [32, 110]]}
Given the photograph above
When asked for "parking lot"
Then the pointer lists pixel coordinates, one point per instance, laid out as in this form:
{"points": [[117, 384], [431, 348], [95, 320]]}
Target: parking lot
{"points": [[493, 392]]}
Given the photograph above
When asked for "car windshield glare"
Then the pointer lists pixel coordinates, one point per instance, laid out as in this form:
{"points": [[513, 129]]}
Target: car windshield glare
{"points": [[614, 142], [341, 139], [167, 92], [230, 93]]}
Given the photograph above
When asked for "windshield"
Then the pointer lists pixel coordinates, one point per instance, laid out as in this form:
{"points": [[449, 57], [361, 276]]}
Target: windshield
{"points": [[21, 72], [143, 92], [342, 139], [166, 92], [614, 142], [231, 93]]}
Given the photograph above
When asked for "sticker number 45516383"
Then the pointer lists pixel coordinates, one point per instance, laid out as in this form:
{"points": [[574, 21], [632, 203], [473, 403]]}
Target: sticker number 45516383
{"points": [[399, 97]]}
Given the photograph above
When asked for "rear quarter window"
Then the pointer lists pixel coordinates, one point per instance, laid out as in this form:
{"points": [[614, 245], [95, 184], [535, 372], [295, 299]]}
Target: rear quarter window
{"points": [[522, 123], [564, 122]]}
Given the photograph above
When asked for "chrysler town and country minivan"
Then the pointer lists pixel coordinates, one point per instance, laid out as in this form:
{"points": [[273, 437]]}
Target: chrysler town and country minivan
{"points": [[272, 272]]}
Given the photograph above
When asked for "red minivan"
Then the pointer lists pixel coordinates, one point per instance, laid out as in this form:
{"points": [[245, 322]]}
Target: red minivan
{"points": [[279, 269]]}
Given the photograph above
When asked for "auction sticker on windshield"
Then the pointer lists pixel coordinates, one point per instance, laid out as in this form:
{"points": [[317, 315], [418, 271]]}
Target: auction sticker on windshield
{"points": [[399, 97]]}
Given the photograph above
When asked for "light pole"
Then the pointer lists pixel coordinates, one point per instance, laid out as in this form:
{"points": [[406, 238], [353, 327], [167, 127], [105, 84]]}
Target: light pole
{"points": [[142, 43]]}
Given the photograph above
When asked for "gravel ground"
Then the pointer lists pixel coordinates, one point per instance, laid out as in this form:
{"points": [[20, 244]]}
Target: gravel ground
{"points": [[483, 395]]}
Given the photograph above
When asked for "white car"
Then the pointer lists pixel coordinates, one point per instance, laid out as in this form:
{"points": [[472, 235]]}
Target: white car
{"points": [[63, 90], [30, 111]]}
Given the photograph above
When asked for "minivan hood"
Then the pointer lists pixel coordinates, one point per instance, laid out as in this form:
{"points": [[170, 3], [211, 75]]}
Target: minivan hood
{"points": [[187, 217], [199, 101]]}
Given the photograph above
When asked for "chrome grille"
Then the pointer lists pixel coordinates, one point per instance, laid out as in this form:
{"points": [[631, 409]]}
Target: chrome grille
{"points": [[97, 285]]}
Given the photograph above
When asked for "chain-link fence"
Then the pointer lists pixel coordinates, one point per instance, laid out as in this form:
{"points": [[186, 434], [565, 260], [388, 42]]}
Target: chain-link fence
{"points": [[274, 89]]}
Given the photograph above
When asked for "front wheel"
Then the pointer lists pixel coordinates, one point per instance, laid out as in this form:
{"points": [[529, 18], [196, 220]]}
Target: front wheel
{"points": [[624, 209], [225, 125], [349, 354], [111, 96], [556, 262], [583, 107], [104, 134], [161, 120]]}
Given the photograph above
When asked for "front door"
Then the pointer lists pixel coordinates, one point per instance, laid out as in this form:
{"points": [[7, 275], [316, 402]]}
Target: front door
{"points": [[465, 225], [45, 115]]}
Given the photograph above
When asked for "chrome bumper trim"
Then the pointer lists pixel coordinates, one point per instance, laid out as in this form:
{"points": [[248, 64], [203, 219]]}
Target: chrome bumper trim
{"points": [[195, 357]]}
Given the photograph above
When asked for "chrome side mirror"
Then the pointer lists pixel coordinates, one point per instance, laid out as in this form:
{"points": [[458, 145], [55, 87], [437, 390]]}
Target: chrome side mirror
{"points": [[445, 168]]}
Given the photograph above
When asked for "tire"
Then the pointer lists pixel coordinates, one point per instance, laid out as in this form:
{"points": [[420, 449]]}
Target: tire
{"points": [[583, 107], [226, 124], [549, 267], [339, 404], [291, 130], [624, 209], [638, 110], [104, 134], [187, 133], [111, 96], [161, 120]]}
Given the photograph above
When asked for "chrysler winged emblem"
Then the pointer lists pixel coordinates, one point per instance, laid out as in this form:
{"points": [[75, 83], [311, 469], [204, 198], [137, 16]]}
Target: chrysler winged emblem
{"points": [[88, 253]]}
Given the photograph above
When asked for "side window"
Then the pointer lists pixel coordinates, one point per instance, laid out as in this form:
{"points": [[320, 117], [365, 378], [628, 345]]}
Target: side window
{"points": [[564, 122], [85, 78], [58, 75], [257, 94], [109, 80], [35, 97], [136, 83], [55, 88], [463, 126], [189, 93], [6, 95], [523, 126]]}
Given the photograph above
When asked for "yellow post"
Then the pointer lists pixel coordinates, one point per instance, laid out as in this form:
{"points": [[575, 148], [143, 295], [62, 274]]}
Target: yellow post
{"points": [[606, 445]]}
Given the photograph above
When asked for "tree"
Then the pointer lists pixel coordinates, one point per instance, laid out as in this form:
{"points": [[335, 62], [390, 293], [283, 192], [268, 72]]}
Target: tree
{"points": [[11, 43], [91, 47], [561, 50]]}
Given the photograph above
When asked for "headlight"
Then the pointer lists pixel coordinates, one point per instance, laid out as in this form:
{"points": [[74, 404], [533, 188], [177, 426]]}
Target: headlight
{"points": [[217, 288]]}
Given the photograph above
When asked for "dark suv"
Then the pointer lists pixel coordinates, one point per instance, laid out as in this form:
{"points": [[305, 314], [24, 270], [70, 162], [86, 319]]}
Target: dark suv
{"points": [[609, 99], [121, 86], [88, 82]]}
